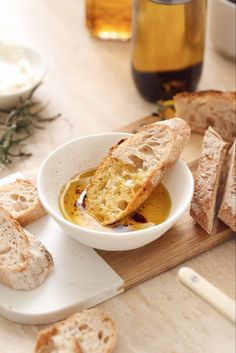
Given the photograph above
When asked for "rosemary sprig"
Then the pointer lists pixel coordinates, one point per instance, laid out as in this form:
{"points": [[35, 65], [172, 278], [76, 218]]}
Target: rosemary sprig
{"points": [[18, 124]]}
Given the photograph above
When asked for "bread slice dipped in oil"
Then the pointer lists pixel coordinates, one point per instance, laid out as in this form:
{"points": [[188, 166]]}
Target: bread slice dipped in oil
{"points": [[133, 168]]}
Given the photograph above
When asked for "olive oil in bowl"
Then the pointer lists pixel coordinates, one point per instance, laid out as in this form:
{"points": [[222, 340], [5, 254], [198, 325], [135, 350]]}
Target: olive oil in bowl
{"points": [[153, 211]]}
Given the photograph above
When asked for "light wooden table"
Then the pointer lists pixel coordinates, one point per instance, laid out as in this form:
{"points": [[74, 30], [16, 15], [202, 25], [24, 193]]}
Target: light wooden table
{"points": [[89, 82]]}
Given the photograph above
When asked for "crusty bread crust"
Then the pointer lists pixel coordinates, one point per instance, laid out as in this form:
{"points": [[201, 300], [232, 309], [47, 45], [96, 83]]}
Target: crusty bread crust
{"points": [[227, 212], [140, 162], [207, 179], [18, 239], [208, 108], [228, 95], [24, 260], [84, 332], [20, 198]]}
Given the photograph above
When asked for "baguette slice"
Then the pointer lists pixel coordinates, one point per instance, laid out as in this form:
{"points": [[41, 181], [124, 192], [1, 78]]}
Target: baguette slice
{"points": [[20, 198], [227, 212], [207, 179], [24, 261], [208, 108], [89, 331], [133, 168]]}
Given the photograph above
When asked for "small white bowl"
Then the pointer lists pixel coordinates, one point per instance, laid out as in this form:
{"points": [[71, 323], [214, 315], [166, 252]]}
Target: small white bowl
{"points": [[87, 152], [13, 54], [222, 26]]}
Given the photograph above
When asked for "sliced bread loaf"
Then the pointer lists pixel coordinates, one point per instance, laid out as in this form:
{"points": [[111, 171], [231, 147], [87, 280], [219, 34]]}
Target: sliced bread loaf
{"points": [[207, 179], [89, 331], [208, 108], [227, 212], [133, 168], [20, 198], [24, 261]]}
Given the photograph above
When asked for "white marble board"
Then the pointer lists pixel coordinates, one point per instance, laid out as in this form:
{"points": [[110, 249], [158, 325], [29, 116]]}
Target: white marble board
{"points": [[80, 279]]}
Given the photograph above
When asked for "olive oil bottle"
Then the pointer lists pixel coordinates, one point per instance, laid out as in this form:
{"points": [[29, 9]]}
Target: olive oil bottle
{"points": [[168, 46], [109, 19]]}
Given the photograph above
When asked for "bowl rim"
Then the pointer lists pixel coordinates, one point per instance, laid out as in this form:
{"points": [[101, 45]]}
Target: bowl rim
{"points": [[107, 234], [40, 77]]}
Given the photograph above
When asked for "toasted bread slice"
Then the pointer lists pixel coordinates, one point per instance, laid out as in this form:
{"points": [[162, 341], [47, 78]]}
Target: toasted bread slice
{"points": [[85, 332], [20, 198], [207, 179], [133, 168], [24, 261], [227, 212], [208, 108]]}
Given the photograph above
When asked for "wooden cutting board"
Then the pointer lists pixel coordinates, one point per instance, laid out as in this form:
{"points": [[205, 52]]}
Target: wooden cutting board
{"points": [[181, 243]]}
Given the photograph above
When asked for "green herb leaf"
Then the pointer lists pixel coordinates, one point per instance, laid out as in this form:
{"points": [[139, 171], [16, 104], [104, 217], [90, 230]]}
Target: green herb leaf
{"points": [[18, 124]]}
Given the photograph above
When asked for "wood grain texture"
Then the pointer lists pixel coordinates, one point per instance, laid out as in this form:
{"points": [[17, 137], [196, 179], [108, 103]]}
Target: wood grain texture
{"points": [[181, 243]]}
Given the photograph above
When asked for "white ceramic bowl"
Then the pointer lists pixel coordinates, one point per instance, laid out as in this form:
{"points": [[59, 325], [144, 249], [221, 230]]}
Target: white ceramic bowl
{"points": [[87, 152], [222, 26], [13, 53]]}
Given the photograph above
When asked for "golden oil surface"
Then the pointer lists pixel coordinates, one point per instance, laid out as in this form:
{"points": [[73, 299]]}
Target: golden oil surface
{"points": [[153, 211]]}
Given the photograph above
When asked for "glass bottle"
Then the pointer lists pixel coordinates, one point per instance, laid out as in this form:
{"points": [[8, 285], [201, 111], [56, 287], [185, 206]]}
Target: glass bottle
{"points": [[168, 46], [109, 19]]}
